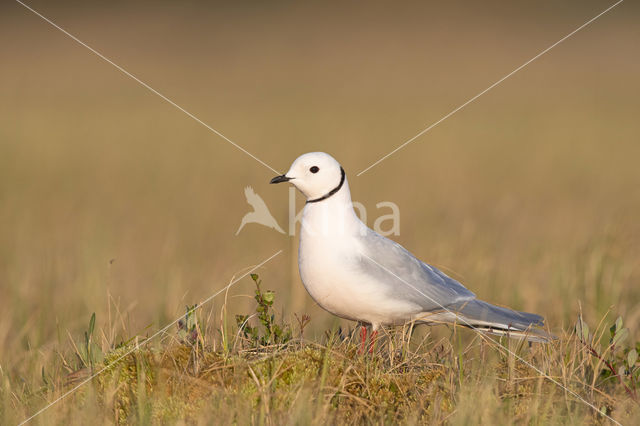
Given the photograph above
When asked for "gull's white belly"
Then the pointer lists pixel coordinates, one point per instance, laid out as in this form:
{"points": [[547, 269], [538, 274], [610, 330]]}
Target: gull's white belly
{"points": [[332, 275]]}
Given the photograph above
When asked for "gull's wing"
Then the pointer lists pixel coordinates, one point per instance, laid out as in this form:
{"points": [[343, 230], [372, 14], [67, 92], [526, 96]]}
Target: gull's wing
{"points": [[408, 278]]}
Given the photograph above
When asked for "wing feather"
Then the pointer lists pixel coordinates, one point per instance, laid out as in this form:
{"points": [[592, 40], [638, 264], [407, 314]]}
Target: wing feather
{"points": [[413, 281]]}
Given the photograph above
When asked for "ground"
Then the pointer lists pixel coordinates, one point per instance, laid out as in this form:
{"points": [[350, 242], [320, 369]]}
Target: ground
{"points": [[268, 373]]}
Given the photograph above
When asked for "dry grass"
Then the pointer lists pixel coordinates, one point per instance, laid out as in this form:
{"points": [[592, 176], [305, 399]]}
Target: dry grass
{"points": [[411, 377], [113, 202]]}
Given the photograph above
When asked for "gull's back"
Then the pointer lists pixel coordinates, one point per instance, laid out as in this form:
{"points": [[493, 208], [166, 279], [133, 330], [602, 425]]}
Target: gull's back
{"points": [[407, 277]]}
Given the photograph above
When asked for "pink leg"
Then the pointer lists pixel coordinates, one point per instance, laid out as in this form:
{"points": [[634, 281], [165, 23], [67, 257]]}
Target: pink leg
{"points": [[372, 340], [363, 336]]}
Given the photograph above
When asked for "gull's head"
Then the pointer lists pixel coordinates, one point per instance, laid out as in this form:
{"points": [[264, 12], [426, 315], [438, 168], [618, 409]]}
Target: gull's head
{"points": [[315, 174]]}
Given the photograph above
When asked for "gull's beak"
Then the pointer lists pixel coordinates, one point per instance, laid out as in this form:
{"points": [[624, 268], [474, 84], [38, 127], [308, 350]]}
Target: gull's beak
{"points": [[280, 179]]}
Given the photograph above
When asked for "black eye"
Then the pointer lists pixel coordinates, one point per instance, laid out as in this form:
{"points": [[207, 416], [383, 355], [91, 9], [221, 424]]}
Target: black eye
{"points": [[314, 169]]}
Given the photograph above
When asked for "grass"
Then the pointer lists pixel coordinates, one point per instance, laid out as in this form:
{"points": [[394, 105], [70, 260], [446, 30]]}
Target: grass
{"points": [[199, 374], [114, 203]]}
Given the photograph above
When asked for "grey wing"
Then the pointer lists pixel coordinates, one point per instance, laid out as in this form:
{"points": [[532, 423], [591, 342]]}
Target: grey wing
{"points": [[407, 277]]}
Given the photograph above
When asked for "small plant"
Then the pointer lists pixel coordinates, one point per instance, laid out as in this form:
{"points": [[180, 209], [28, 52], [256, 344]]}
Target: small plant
{"points": [[273, 332], [303, 321], [618, 362], [89, 352], [188, 329]]}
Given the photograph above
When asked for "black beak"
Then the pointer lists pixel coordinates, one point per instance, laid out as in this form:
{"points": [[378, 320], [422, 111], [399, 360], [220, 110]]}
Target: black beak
{"points": [[280, 179]]}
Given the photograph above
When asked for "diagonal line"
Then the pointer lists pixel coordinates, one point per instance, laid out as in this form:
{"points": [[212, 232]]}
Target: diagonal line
{"points": [[137, 346], [462, 319], [490, 87], [151, 89]]}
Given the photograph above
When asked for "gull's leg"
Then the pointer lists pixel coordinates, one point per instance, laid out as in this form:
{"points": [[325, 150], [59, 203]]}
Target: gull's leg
{"points": [[363, 336], [372, 340]]}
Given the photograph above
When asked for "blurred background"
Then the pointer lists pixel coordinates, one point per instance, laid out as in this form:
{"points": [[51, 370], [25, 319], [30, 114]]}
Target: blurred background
{"points": [[110, 197]]}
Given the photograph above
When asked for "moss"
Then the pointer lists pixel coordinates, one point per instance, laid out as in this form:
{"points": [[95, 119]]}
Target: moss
{"points": [[181, 391]]}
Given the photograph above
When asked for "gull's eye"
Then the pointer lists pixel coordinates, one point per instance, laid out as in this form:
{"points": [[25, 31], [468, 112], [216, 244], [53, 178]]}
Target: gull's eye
{"points": [[314, 169]]}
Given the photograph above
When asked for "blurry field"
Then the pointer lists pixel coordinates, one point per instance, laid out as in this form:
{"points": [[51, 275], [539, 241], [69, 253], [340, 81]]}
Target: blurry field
{"points": [[111, 200]]}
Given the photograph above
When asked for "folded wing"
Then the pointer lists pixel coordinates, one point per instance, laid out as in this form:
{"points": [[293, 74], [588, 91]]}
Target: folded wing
{"points": [[407, 277]]}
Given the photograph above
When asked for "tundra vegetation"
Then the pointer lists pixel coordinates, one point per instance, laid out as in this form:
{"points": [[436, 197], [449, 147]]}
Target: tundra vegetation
{"points": [[258, 369]]}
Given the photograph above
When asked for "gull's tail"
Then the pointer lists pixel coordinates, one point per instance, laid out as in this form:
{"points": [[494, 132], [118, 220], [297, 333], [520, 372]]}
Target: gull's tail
{"points": [[491, 319]]}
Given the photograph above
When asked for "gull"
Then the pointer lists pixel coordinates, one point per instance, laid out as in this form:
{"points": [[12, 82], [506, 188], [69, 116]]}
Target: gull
{"points": [[260, 213], [357, 274]]}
